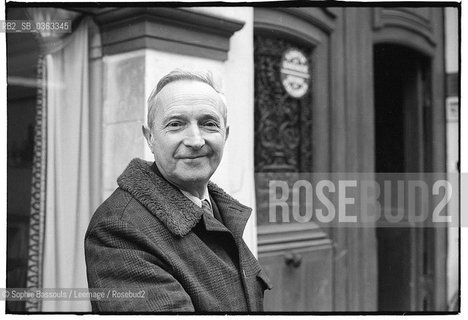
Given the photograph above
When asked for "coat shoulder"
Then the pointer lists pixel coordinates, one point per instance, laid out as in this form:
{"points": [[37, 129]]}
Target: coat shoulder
{"points": [[120, 205]]}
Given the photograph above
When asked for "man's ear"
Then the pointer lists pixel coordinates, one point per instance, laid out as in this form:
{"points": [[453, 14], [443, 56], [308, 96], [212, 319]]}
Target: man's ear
{"points": [[147, 134], [227, 133]]}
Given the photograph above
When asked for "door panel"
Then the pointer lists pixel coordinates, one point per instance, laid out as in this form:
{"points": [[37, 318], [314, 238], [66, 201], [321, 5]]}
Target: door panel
{"points": [[300, 269], [303, 288]]}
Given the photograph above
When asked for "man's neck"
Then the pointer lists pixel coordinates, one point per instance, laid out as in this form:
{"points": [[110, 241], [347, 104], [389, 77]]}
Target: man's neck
{"points": [[200, 193]]}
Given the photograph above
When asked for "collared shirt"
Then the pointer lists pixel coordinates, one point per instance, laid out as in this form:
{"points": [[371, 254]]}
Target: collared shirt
{"points": [[197, 200]]}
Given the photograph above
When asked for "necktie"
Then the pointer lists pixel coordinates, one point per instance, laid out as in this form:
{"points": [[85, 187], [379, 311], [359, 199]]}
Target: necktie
{"points": [[207, 207]]}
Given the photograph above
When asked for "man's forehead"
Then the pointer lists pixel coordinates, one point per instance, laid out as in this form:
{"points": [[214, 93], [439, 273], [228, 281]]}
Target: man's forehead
{"points": [[199, 113]]}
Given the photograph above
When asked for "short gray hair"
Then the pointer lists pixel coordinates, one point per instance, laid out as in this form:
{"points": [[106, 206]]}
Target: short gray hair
{"points": [[177, 75]]}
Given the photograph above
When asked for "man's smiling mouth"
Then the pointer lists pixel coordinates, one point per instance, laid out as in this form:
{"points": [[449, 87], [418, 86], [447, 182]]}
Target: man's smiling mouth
{"points": [[193, 157]]}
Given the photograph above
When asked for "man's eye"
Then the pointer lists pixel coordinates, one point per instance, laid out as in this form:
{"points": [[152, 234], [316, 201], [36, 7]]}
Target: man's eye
{"points": [[174, 124], [211, 124]]}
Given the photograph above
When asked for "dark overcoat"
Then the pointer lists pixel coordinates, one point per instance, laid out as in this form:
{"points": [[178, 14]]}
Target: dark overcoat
{"points": [[148, 237]]}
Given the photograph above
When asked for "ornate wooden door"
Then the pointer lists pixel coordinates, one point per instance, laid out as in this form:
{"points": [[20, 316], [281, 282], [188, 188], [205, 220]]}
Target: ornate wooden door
{"points": [[297, 255], [314, 266]]}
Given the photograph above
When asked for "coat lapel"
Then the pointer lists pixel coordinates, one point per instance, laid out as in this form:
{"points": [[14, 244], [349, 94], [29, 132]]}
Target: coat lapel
{"points": [[235, 215]]}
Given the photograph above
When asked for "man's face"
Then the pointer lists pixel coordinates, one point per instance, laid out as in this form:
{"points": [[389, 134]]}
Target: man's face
{"points": [[188, 133]]}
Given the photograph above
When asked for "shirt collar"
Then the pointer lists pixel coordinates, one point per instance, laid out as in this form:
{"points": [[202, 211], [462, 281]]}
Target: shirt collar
{"points": [[195, 199]]}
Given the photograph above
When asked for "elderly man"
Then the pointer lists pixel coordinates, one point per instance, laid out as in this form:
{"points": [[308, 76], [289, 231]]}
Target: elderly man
{"points": [[167, 230]]}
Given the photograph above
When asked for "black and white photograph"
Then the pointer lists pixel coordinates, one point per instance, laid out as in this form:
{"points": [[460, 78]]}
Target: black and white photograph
{"points": [[232, 158]]}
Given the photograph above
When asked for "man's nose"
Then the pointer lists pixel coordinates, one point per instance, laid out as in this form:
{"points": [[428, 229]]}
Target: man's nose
{"points": [[194, 138]]}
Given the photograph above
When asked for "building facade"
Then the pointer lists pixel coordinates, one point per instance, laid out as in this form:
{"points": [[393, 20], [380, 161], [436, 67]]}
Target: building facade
{"points": [[367, 94]]}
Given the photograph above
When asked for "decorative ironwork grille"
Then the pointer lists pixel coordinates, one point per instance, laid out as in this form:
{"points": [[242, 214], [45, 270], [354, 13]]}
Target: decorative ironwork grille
{"points": [[283, 130], [283, 124]]}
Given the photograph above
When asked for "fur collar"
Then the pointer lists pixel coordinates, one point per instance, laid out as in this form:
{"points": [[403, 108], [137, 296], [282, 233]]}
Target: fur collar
{"points": [[143, 181]]}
